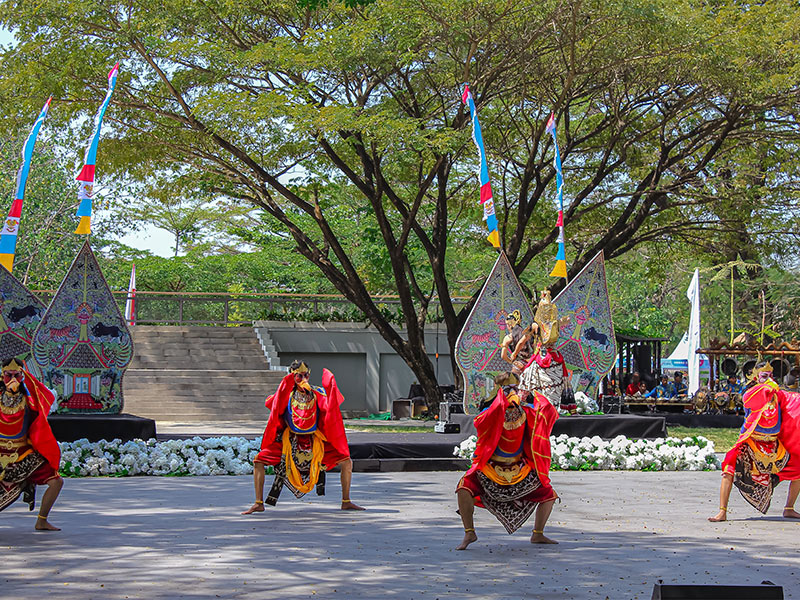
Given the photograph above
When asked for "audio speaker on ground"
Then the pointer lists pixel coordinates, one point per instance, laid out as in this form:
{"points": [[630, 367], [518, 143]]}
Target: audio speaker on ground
{"points": [[717, 592]]}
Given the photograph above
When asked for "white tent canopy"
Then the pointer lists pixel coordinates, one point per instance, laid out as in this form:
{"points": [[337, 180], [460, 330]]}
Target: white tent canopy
{"points": [[679, 359]]}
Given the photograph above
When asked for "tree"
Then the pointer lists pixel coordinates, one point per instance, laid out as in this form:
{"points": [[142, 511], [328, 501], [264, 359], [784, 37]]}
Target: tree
{"points": [[655, 100], [195, 218]]}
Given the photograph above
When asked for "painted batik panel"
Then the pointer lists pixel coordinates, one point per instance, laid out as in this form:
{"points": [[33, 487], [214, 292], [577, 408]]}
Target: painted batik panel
{"points": [[587, 342], [478, 345], [20, 314], [83, 343]]}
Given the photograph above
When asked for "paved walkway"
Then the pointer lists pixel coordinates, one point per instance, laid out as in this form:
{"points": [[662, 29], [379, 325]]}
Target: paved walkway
{"points": [[149, 537]]}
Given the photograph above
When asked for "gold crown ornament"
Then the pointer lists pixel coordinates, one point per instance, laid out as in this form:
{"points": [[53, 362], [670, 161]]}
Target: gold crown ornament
{"points": [[302, 368], [13, 366], [765, 368]]}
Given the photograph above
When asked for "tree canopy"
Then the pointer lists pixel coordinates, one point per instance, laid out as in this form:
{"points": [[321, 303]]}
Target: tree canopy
{"points": [[677, 121]]}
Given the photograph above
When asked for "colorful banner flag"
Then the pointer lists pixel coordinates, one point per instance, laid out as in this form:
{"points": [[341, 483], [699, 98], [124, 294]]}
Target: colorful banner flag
{"points": [[486, 187], [86, 176], [560, 270], [130, 303], [8, 234]]}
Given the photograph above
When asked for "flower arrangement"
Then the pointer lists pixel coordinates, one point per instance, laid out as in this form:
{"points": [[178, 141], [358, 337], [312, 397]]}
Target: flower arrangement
{"points": [[588, 454], [195, 456]]}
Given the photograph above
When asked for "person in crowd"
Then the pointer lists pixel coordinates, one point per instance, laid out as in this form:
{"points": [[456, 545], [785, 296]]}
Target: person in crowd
{"points": [[633, 386], [680, 389], [303, 439], [662, 390]]}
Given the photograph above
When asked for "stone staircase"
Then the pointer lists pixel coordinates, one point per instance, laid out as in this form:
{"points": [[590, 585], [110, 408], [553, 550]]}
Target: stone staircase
{"points": [[203, 374]]}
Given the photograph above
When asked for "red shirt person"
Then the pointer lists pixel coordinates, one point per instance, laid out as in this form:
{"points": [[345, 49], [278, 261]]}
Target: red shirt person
{"points": [[303, 439]]}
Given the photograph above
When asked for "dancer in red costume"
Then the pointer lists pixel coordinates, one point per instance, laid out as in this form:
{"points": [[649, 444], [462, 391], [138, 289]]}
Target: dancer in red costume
{"points": [[29, 453], [546, 371], [510, 473], [303, 439], [768, 449]]}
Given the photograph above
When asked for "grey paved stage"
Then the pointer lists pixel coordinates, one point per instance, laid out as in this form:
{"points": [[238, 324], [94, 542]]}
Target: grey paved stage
{"points": [[165, 537]]}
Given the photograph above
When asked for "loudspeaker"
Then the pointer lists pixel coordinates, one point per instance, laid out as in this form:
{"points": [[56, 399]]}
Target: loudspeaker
{"points": [[717, 592]]}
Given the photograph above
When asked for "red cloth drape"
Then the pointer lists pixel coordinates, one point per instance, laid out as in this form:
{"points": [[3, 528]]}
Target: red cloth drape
{"points": [[40, 399]]}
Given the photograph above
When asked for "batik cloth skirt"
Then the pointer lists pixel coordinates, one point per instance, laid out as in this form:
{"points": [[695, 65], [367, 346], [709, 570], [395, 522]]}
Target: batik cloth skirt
{"points": [[511, 504], [756, 473], [22, 477]]}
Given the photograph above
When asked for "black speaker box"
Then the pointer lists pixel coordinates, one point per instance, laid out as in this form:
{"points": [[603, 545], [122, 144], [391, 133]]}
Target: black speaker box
{"points": [[717, 592]]}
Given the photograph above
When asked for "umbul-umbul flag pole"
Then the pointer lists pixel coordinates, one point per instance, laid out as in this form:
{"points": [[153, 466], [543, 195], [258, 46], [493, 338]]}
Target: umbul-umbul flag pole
{"points": [[86, 176], [693, 294], [10, 229]]}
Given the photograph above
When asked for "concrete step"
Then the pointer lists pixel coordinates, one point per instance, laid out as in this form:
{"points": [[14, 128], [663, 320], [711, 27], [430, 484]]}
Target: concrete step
{"points": [[198, 373]]}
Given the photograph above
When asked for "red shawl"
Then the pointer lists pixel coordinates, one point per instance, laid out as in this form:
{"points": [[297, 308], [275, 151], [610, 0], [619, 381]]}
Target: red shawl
{"points": [[540, 418], [329, 422], [40, 399]]}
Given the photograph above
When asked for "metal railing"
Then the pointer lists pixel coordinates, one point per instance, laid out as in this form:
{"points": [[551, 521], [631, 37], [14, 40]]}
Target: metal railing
{"points": [[238, 309]]}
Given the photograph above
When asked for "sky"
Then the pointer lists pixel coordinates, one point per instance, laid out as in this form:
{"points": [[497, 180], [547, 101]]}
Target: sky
{"points": [[157, 241]]}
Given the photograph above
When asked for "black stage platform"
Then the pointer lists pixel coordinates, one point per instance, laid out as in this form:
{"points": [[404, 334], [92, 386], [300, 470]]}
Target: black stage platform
{"points": [[716, 421], [68, 428], [605, 426]]}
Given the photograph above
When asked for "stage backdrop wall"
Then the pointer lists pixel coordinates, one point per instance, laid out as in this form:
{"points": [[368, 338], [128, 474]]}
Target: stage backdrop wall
{"points": [[369, 372]]}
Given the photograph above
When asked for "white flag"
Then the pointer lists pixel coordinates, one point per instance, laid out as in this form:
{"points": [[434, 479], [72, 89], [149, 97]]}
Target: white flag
{"points": [[130, 303], [693, 294]]}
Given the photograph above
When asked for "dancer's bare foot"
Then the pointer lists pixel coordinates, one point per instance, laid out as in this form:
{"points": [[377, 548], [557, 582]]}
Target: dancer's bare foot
{"points": [[351, 506], [790, 513], [45, 525], [539, 538], [721, 516], [257, 507], [469, 537]]}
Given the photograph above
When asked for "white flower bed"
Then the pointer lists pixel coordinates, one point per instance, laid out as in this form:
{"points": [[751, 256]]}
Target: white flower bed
{"points": [[195, 456], [587, 454]]}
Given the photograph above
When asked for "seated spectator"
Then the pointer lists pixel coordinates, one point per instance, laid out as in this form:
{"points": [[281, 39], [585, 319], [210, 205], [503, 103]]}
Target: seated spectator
{"points": [[681, 390], [731, 386], [633, 386], [642, 388], [662, 390]]}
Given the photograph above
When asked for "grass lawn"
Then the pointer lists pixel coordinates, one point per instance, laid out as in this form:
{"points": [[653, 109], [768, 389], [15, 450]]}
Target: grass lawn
{"points": [[723, 439], [391, 429]]}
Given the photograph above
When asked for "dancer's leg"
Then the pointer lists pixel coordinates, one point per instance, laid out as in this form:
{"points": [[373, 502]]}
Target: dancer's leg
{"points": [[466, 508], [259, 474], [794, 489], [48, 499], [346, 467], [540, 520], [724, 495]]}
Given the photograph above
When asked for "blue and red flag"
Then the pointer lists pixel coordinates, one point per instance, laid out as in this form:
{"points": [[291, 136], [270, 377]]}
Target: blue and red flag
{"points": [[8, 234], [560, 270], [86, 176], [486, 187]]}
